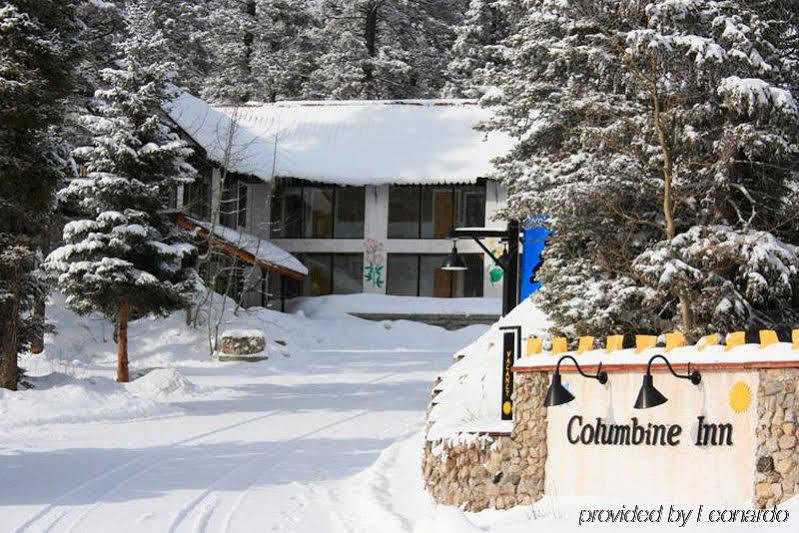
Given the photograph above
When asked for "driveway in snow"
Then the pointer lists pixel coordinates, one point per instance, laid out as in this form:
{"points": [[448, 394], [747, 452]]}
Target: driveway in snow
{"points": [[261, 446]]}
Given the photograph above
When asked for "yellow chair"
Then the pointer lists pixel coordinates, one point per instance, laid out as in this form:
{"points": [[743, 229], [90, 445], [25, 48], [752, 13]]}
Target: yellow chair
{"points": [[768, 337], [795, 339], [533, 346], [614, 343], [736, 338], [643, 342], [559, 345], [585, 344], [674, 340]]}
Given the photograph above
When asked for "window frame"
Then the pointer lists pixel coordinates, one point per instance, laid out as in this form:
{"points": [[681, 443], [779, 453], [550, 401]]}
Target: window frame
{"points": [[420, 206], [453, 279], [303, 185]]}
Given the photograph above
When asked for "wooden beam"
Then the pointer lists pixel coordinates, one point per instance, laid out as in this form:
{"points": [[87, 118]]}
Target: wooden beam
{"points": [[636, 367], [234, 251]]}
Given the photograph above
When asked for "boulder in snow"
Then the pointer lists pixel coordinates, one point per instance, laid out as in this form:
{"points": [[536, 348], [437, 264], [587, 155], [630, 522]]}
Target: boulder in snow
{"points": [[238, 345]]}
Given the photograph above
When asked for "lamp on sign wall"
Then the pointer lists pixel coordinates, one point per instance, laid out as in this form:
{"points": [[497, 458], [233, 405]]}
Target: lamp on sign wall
{"points": [[649, 396], [557, 394]]}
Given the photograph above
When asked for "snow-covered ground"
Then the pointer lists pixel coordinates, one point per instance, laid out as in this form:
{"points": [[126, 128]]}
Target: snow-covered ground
{"points": [[200, 445], [325, 436]]}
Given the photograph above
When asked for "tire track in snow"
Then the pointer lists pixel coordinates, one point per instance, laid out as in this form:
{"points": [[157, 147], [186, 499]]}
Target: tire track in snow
{"points": [[202, 522], [96, 487]]}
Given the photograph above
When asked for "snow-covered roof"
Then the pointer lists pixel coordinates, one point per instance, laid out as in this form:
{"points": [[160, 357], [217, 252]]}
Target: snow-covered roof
{"points": [[346, 142], [261, 251]]}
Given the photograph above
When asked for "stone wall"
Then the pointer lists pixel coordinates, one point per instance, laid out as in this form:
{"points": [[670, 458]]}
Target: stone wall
{"points": [[498, 471], [777, 457]]}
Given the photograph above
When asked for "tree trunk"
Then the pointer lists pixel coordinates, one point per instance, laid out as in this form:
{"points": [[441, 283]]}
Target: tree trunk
{"points": [[686, 313], [123, 376], [37, 345], [9, 369], [39, 306], [370, 38]]}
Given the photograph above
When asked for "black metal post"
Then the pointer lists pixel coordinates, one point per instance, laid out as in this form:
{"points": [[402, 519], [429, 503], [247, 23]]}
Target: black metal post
{"points": [[510, 278]]}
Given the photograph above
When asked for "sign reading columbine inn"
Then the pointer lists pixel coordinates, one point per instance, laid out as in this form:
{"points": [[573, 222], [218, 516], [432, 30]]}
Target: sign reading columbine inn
{"points": [[706, 424]]}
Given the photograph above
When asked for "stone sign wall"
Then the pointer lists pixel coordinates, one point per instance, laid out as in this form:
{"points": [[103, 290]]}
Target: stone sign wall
{"points": [[503, 471]]}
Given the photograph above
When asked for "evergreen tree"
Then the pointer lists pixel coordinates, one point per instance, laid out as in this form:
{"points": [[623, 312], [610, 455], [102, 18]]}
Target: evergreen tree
{"points": [[660, 138], [38, 52], [259, 49], [384, 48], [231, 45], [124, 259], [478, 46], [285, 49], [182, 25]]}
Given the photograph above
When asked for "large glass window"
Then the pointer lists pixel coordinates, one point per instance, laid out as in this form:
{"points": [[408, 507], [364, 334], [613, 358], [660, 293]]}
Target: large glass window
{"points": [[311, 211], [403, 212], [350, 213], [431, 212], [233, 206], [332, 274], [403, 275], [197, 197], [320, 274], [347, 273], [318, 204], [421, 275]]}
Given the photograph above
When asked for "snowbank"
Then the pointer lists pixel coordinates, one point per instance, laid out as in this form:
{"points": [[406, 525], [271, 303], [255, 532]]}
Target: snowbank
{"points": [[59, 398], [163, 384], [470, 389], [383, 303]]}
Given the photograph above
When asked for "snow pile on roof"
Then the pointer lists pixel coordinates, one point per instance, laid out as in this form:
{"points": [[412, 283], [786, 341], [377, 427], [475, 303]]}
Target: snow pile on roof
{"points": [[386, 304], [352, 143], [699, 354], [261, 249], [469, 401]]}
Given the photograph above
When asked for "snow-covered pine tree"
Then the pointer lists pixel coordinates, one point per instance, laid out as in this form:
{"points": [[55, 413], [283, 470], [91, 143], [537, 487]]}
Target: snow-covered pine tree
{"points": [[477, 47], [285, 49], [230, 41], [182, 23], [384, 48], [123, 259], [660, 138], [38, 53]]}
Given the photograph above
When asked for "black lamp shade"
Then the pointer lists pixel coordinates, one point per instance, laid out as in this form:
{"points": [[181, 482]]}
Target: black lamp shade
{"points": [[649, 396], [454, 261], [557, 394]]}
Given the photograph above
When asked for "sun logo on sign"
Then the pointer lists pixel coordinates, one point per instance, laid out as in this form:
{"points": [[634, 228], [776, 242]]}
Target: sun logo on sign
{"points": [[740, 397]]}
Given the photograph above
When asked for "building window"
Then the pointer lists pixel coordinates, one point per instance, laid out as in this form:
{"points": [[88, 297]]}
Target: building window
{"points": [[233, 205], [431, 212], [197, 197], [332, 274], [421, 275], [309, 211], [318, 207]]}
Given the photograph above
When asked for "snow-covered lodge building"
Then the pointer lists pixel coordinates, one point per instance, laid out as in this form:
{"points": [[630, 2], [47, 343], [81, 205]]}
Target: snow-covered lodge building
{"points": [[363, 193]]}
